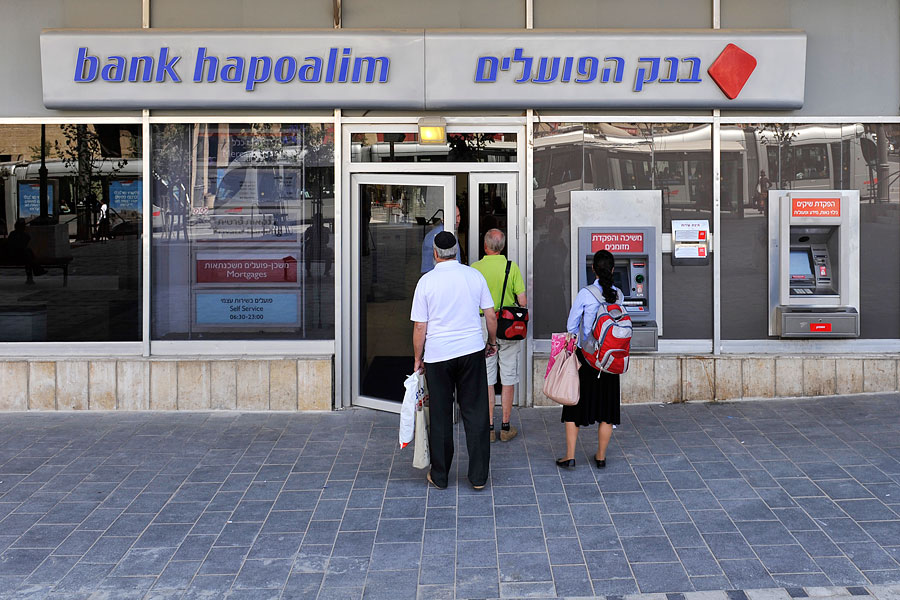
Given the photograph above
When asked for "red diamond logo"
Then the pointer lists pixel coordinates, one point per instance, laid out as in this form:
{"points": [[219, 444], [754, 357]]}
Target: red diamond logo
{"points": [[731, 70]]}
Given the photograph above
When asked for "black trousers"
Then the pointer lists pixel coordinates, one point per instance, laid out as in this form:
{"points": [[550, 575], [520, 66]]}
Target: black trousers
{"points": [[467, 376]]}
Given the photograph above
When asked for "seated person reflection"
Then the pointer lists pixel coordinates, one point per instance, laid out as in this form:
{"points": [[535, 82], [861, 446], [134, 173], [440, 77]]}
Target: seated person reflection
{"points": [[428, 243], [18, 252]]}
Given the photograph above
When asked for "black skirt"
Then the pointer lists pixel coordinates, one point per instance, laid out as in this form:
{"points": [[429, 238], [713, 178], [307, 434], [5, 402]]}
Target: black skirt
{"points": [[599, 397]]}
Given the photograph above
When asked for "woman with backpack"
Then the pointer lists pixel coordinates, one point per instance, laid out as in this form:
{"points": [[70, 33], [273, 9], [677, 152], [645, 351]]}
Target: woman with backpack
{"points": [[599, 397]]}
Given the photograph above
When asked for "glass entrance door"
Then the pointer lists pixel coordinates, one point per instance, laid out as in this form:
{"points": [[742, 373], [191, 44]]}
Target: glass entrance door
{"points": [[393, 217], [493, 205]]}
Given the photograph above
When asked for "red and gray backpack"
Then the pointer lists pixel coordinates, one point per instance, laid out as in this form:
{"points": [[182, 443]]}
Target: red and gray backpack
{"points": [[608, 346]]}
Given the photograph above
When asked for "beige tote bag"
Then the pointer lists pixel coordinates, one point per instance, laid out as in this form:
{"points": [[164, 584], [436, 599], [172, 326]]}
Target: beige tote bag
{"points": [[561, 384], [421, 453]]}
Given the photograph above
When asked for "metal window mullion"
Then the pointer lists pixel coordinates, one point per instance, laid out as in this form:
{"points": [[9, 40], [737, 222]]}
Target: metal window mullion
{"points": [[338, 264], [716, 14], [146, 232], [526, 194], [716, 237]]}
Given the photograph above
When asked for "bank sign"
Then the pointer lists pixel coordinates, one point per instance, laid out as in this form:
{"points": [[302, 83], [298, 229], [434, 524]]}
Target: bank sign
{"points": [[423, 69]]}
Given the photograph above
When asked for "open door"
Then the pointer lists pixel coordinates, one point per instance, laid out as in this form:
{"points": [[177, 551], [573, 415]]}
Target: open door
{"points": [[393, 216]]}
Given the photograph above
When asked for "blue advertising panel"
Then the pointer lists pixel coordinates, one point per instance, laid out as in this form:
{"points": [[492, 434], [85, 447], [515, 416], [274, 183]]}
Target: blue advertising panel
{"points": [[30, 199], [125, 194], [251, 310]]}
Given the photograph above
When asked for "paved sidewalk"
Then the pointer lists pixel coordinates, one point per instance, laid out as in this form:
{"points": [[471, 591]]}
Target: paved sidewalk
{"points": [[770, 500]]}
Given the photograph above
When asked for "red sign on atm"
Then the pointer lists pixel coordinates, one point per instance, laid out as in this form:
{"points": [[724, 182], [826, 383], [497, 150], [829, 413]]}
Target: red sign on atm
{"points": [[820, 327], [617, 242], [815, 207]]}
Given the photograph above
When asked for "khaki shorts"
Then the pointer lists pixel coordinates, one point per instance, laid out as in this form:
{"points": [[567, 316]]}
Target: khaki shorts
{"points": [[507, 359]]}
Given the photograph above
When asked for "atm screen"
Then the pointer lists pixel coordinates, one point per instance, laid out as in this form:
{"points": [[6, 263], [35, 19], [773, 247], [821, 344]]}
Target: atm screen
{"points": [[620, 275], [801, 264]]}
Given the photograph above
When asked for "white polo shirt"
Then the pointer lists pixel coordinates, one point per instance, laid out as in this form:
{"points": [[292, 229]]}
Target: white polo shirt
{"points": [[449, 298]]}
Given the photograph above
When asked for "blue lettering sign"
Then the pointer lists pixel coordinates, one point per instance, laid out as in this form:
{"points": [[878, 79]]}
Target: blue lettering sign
{"points": [[30, 199], [86, 62], [256, 70], [586, 69], [87, 67], [249, 310], [126, 194]]}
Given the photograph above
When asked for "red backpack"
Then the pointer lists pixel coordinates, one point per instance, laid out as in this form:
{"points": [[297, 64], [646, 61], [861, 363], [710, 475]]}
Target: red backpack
{"points": [[609, 344]]}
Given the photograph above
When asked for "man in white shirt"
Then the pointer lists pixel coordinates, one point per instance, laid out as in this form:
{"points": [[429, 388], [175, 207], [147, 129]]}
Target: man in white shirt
{"points": [[448, 344]]}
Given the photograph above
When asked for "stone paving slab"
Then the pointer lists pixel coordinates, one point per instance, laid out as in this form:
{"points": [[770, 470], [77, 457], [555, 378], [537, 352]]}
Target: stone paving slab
{"points": [[765, 500]]}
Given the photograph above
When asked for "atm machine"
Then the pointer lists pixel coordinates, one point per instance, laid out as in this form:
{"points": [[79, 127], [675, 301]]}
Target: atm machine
{"points": [[814, 264], [628, 223]]}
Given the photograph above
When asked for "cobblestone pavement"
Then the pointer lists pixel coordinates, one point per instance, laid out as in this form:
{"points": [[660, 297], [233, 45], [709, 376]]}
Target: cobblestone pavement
{"points": [[765, 500]]}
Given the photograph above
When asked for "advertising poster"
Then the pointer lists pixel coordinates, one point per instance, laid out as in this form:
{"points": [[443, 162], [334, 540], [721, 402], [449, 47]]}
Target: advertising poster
{"points": [[252, 269], [253, 309], [125, 194], [30, 199]]}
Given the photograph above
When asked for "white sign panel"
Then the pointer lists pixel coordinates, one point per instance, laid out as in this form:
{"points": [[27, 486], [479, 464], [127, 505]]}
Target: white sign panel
{"points": [[690, 231], [423, 69]]}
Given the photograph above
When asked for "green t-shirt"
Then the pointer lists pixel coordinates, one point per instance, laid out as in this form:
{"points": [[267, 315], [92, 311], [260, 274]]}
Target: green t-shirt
{"points": [[493, 268]]}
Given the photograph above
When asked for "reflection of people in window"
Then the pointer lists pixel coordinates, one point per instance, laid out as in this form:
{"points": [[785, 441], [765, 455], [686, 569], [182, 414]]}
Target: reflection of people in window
{"points": [[551, 266], [762, 190], [19, 252], [550, 200], [103, 223], [315, 245]]}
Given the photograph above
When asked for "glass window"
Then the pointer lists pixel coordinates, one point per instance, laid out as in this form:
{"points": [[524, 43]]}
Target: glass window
{"points": [[307, 14], [641, 14], [460, 147], [674, 158], [757, 158], [558, 159], [70, 248], [243, 231], [467, 14]]}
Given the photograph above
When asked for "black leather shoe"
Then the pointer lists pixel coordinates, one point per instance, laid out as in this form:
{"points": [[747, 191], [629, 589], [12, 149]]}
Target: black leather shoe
{"points": [[600, 463], [565, 463]]}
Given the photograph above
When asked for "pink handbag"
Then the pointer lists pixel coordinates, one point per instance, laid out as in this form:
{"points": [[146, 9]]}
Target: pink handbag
{"points": [[561, 384], [557, 343]]}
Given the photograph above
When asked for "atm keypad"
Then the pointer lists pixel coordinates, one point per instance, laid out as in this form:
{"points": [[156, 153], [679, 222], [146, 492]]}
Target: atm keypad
{"points": [[800, 291]]}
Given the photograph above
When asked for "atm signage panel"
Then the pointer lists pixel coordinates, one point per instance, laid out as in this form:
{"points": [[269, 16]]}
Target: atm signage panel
{"points": [[815, 207], [618, 243]]}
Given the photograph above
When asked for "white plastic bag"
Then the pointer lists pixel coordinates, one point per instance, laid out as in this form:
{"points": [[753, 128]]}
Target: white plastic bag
{"points": [[408, 409]]}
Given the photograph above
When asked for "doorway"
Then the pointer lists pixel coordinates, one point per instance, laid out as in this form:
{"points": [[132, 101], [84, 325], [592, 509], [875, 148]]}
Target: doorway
{"points": [[393, 215]]}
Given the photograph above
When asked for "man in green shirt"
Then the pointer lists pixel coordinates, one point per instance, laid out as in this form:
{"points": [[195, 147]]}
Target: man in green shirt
{"points": [[506, 360]]}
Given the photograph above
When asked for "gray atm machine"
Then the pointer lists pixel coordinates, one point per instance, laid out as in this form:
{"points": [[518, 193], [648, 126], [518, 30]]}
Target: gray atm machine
{"points": [[628, 223], [814, 264]]}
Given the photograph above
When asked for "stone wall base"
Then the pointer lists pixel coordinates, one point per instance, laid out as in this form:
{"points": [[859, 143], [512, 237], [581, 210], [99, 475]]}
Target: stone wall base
{"points": [[288, 384], [678, 378]]}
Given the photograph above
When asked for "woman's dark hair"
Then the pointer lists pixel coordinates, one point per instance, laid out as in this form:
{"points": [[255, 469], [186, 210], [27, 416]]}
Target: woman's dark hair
{"points": [[604, 262]]}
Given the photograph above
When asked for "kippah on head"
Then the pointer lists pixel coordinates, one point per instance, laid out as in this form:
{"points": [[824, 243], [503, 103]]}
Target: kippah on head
{"points": [[445, 240]]}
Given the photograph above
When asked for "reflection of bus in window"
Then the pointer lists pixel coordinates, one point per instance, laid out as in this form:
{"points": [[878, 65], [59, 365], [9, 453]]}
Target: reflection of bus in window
{"points": [[679, 163], [265, 190], [109, 182]]}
